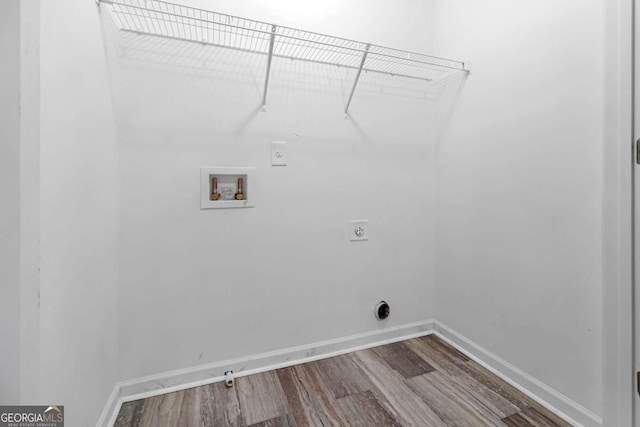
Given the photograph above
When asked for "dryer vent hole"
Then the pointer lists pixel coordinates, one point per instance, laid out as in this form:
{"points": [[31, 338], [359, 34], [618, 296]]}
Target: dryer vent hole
{"points": [[382, 310]]}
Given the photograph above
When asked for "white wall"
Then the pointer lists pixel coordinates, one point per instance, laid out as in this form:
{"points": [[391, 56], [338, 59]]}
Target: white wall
{"points": [[79, 357], [519, 171], [203, 286], [29, 201], [10, 205]]}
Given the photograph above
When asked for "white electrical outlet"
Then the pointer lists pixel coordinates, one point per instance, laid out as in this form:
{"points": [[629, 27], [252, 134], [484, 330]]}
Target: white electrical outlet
{"points": [[278, 153], [359, 230]]}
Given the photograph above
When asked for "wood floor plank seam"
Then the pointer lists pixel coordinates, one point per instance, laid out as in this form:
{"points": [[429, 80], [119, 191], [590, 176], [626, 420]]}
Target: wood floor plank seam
{"points": [[410, 408], [529, 417], [403, 360], [498, 403], [365, 410], [297, 394], [451, 403], [417, 382]]}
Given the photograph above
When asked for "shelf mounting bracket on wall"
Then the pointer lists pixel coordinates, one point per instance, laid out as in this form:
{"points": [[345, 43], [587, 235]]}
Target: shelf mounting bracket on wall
{"points": [[266, 77], [355, 83]]}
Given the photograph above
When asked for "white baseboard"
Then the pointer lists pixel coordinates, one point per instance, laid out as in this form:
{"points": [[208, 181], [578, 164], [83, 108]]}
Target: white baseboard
{"points": [[551, 399], [111, 409], [141, 388]]}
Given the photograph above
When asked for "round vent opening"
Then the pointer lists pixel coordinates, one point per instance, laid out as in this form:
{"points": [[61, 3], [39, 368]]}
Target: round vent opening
{"points": [[382, 310]]}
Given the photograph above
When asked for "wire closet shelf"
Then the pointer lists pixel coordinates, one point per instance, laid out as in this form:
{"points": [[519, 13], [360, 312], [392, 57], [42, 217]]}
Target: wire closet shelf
{"points": [[173, 21]]}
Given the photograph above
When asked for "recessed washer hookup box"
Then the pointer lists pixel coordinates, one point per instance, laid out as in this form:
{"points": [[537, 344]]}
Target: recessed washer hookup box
{"points": [[226, 187]]}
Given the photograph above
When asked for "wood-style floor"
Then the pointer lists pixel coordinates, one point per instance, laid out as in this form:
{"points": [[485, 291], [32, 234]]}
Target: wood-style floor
{"points": [[418, 382]]}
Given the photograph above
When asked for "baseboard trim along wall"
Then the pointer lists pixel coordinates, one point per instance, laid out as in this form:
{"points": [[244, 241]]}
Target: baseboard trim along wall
{"points": [[182, 379], [553, 400], [111, 409], [154, 385]]}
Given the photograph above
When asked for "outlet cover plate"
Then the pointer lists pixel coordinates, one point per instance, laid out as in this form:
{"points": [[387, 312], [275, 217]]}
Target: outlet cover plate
{"points": [[278, 153], [359, 230]]}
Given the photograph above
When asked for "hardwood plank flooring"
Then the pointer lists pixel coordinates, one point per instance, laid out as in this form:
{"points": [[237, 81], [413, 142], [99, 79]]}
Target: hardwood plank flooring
{"points": [[529, 417], [403, 360], [219, 406], [283, 421], [310, 403], [261, 398], [364, 410], [509, 391], [399, 399], [446, 349], [500, 404], [451, 403], [150, 410], [190, 411], [127, 413], [342, 376], [418, 382]]}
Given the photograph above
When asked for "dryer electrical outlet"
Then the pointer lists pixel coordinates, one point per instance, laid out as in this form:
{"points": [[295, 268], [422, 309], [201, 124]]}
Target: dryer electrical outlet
{"points": [[359, 230], [278, 153]]}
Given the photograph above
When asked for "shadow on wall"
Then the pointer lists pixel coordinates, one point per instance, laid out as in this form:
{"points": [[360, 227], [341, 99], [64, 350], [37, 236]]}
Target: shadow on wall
{"points": [[449, 92], [168, 74]]}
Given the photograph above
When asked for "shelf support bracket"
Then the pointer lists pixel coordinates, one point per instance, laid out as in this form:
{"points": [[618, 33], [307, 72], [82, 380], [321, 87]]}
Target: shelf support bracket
{"points": [[266, 78], [355, 83]]}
